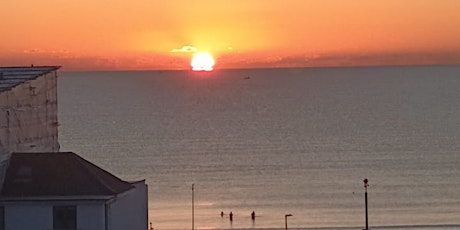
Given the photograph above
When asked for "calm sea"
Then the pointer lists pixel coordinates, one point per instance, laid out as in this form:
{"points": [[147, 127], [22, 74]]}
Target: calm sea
{"points": [[277, 142]]}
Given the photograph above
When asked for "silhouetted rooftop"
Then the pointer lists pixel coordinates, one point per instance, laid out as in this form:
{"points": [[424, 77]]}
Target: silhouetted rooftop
{"points": [[57, 174]]}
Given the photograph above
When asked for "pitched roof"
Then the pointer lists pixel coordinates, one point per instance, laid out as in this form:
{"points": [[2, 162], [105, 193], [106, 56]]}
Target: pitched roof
{"points": [[57, 174], [13, 76]]}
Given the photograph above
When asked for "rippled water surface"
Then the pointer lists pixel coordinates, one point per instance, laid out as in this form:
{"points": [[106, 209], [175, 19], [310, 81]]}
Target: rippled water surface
{"points": [[296, 141]]}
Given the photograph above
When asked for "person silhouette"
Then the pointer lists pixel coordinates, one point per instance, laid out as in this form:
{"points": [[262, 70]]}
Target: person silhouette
{"points": [[221, 214], [231, 216], [253, 215]]}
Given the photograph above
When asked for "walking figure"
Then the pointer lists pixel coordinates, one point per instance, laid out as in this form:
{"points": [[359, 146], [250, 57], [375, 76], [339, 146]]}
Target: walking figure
{"points": [[221, 214], [231, 216], [253, 215]]}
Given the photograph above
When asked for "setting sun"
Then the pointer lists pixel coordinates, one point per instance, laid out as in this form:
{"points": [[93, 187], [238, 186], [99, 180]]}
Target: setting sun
{"points": [[202, 61]]}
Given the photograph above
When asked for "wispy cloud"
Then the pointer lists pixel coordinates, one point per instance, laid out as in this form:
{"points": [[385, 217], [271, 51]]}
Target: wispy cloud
{"points": [[33, 51], [185, 49]]}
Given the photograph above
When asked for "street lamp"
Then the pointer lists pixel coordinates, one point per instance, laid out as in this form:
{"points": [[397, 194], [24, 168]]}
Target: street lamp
{"points": [[365, 200], [285, 220], [193, 207]]}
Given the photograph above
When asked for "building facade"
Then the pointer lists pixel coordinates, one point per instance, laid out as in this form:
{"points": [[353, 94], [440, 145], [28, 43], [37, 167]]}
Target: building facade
{"points": [[28, 109], [38, 193], [42, 188]]}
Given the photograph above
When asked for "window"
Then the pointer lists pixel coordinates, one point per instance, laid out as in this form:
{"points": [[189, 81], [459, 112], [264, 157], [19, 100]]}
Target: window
{"points": [[2, 218], [64, 217]]}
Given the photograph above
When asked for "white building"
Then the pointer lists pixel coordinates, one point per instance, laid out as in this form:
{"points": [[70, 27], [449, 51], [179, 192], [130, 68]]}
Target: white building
{"points": [[62, 191], [28, 109], [49, 190]]}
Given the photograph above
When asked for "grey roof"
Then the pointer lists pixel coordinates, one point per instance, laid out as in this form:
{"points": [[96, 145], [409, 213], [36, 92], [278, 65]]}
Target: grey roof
{"points": [[13, 76], [57, 174]]}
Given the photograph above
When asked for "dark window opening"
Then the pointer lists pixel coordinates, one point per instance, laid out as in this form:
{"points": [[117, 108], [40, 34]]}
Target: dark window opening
{"points": [[2, 218], [64, 217]]}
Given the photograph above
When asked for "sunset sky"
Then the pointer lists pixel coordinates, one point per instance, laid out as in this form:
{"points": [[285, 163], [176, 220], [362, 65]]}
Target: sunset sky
{"points": [[154, 34]]}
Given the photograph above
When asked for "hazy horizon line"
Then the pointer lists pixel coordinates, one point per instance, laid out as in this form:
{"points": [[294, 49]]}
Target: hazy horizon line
{"points": [[252, 68]]}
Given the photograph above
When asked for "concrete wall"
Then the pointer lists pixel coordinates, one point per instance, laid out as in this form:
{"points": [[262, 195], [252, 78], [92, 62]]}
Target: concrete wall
{"points": [[28, 217], [130, 210], [91, 216], [127, 211], [28, 116], [39, 216]]}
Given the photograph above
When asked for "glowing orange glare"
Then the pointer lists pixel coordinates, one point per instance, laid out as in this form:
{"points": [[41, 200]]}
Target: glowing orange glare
{"points": [[202, 61]]}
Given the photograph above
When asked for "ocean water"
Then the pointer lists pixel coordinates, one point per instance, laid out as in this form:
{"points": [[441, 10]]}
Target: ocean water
{"points": [[277, 142]]}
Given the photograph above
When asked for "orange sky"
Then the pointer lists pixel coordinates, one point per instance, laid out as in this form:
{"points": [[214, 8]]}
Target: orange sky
{"points": [[140, 34]]}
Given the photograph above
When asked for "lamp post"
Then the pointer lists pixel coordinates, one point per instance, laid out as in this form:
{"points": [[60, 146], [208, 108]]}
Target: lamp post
{"points": [[365, 201], [193, 207], [285, 220]]}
